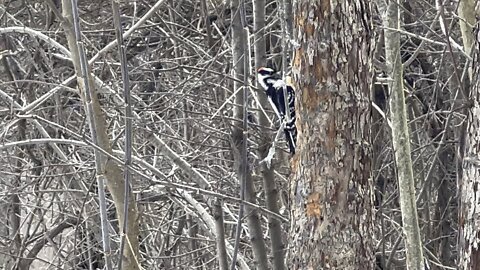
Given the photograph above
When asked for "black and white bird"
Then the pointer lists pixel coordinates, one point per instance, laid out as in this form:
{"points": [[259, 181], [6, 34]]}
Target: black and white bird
{"points": [[274, 87]]}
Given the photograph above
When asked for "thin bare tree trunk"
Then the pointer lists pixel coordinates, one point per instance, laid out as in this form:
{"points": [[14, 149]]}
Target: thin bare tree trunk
{"points": [[106, 168], [239, 47], [220, 232], [269, 184], [401, 137], [466, 11], [331, 187], [14, 211], [128, 132]]}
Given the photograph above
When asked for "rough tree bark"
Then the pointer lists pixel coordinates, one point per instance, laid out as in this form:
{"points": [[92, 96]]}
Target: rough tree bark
{"points": [[469, 220], [331, 187]]}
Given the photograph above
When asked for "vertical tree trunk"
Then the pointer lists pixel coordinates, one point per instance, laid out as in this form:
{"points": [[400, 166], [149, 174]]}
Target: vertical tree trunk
{"points": [[401, 137], [469, 230], [14, 211], [331, 199], [110, 170], [220, 232], [466, 11], [269, 184], [239, 43]]}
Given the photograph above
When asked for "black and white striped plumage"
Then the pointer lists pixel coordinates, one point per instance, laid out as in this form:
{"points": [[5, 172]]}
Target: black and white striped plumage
{"points": [[274, 87]]}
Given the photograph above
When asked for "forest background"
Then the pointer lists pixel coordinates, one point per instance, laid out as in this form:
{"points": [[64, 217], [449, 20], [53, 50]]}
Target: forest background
{"points": [[133, 135]]}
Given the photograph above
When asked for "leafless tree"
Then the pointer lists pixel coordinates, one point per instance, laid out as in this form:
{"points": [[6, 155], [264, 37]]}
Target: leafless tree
{"points": [[400, 135], [183, 67]]}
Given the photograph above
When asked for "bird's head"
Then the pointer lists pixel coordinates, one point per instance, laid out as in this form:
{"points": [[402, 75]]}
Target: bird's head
{"points": [[265, 71], [263, 75]]}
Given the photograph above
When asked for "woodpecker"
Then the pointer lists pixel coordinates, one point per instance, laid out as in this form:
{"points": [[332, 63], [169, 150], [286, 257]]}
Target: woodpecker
{"points": [[274, 87]]}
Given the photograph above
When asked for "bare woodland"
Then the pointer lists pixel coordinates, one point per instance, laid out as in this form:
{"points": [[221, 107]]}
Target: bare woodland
{"points": [[134, 135]]}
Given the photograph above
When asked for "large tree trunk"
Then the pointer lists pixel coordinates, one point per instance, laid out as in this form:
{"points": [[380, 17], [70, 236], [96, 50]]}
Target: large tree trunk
{"points": [[469, 230], [331, 187]]}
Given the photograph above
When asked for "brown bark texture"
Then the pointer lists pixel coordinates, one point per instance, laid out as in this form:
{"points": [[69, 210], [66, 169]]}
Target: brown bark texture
{"points": [[331, 187]]}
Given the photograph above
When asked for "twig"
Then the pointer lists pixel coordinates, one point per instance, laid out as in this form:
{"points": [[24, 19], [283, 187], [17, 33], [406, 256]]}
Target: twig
{"points": [[271, 150], [40, 243], [191, 172]]}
